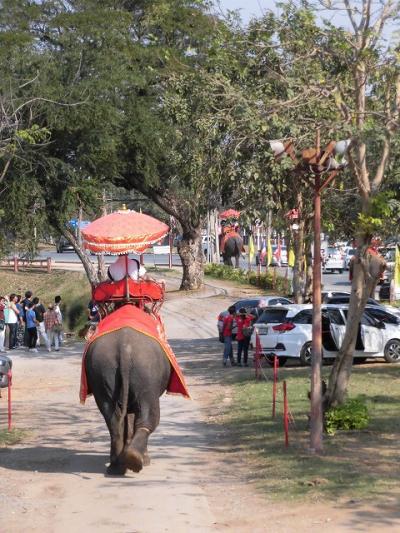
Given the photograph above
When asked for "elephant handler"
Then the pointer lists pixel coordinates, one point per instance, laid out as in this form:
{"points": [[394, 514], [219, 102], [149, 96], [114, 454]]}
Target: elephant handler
{"points": [[227, 327], [243, 321]]}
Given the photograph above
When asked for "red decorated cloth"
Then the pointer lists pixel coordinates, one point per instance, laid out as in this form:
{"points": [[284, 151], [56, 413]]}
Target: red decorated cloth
{"points": [[117, 289], [132, 317], [226, 236]]}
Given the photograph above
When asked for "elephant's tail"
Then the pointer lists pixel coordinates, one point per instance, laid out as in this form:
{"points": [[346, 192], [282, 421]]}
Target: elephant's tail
{"points": [[125, 369]]}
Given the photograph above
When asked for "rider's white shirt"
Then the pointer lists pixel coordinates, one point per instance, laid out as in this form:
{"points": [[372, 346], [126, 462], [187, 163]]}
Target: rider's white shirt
{"points": [[117, 270]]}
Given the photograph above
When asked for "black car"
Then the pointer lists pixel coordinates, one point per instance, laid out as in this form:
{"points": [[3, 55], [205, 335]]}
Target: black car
{"points": [[63, 245]]}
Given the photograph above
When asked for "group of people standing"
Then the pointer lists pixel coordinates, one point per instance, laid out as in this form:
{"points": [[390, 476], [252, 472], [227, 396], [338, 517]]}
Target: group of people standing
{"points": [[27, 322], [243, 321]]}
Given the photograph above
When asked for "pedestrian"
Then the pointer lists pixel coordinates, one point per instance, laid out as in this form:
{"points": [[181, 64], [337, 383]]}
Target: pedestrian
{"points": [[24, 304], [59, 328], [21, 323], [2, 323], [31, 327], [227, 326], [51, 324], [39, 309], [93, 312], [243, 321], [12, 321]]}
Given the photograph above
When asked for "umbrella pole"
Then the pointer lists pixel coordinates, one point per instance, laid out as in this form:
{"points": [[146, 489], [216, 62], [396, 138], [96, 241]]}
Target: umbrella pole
{"points": [[126, 277]]}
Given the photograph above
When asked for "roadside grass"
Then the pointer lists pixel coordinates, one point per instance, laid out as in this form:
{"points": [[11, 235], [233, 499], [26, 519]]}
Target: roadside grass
{"points": [[9, 438], [354, 463], [73, 287]]}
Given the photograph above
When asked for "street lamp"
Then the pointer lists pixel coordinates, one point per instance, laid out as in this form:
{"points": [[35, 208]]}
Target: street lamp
{"points": [[316, 162]]}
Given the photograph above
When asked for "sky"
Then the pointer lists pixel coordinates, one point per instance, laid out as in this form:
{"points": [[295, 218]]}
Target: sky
{"points": [[248, 8]]}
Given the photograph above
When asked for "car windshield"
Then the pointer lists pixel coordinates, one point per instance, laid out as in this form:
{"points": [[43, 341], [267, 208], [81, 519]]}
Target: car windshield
{"points": [[272, 316]]}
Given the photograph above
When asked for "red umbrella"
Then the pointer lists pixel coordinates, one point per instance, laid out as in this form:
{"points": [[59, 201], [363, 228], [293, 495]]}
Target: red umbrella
{"points": [[229, 213], [123, 232]]}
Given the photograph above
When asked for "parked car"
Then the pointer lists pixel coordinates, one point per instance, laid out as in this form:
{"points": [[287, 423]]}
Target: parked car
{"points": [[333, 260], [378, 335], [63, 245], [349, 254], [344, 298], [253, 305], [206, 242]]}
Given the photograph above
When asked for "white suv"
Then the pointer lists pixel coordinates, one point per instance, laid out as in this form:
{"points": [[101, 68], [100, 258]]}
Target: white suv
{"points": [[378, 336]]}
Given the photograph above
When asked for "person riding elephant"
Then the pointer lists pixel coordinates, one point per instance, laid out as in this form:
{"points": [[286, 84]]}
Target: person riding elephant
{"points": [[231, 246]]}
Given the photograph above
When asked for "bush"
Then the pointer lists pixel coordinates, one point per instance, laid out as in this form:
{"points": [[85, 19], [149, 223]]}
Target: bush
{"points": [[265, 280], [353, 414]]}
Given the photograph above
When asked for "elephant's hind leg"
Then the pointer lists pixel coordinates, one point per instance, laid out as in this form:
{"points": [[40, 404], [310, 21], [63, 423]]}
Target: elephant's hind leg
{"points": [[115, 424], [146, 421]]}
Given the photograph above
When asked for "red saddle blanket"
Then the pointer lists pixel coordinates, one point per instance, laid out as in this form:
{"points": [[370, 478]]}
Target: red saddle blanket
{"points": [[130, 316]]}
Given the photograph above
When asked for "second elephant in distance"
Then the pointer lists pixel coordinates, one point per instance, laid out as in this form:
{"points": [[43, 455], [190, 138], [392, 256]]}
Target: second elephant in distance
{"points": [[233, 247]]}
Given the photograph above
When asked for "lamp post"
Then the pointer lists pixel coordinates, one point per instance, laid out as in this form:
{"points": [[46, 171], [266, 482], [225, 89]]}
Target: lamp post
{"points": [[316, 163]]}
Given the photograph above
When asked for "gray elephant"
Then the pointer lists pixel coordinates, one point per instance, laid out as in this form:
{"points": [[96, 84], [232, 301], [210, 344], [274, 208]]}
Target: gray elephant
{"points": [[233, 247], [127, 372]]}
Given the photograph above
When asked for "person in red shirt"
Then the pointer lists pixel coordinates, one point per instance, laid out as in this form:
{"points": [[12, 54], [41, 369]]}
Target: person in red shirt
{"points": [[243, 321], [227, 326]]}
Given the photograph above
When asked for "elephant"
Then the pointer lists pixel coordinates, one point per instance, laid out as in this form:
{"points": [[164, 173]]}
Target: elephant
{"points": [[233, 247], [127, 372]]}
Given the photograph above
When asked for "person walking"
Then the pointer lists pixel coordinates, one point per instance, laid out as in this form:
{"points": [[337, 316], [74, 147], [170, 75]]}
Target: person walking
{"points": [[12, 321], [2, 323], [21, 323], [51, 323], [243, 321], [24, 304], [31, 327], [227, 326], [39, 309], [58, 328]]}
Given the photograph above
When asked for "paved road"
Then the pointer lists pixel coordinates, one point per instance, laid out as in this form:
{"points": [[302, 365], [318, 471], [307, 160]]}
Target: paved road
{"points": [[331, 282]]}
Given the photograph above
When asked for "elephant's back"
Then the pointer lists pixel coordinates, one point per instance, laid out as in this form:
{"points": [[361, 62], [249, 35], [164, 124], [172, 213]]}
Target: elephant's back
{"points": [[131, 350]]}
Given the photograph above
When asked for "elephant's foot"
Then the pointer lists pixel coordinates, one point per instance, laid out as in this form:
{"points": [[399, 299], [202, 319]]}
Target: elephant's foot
{"points": [[146, 459], [116, 469], [134, 460]]}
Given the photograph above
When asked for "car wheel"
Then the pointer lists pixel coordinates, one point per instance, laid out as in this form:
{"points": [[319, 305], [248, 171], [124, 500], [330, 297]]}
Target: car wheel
{"points": [[281, 360], [340, 270], [305, 354], [392, 351]]}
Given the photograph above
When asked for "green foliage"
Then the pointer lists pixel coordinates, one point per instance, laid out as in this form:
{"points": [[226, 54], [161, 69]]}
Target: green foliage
{"points": [[353, 414], [266, 281]]}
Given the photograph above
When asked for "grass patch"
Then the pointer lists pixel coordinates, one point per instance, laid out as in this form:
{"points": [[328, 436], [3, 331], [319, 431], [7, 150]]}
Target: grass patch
{"points": [[73, 287], [9, 438], [361, 463], [266, 280]]}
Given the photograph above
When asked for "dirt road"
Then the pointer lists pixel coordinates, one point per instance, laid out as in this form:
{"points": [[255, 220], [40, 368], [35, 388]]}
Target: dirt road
{"points": [[54, 482]]}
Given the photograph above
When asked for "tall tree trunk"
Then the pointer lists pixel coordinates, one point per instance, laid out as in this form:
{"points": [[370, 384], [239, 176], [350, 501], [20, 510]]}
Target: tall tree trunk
{"points": [[192, 257], [308, 260], [101, 268], [366, 273], [298, 269], [89, 267]]}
